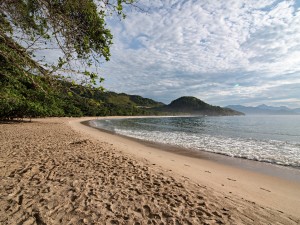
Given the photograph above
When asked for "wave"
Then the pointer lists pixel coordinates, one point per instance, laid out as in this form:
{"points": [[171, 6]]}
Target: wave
{"points": [[206, 135]]}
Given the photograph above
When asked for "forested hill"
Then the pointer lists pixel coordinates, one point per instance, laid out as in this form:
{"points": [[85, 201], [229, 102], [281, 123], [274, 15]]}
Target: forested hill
{"points": [[194, 106], [123, 99], [33, 96]]}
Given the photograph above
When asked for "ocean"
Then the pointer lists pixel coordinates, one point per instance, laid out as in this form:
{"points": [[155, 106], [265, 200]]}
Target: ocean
{"points": [[272, 139]]}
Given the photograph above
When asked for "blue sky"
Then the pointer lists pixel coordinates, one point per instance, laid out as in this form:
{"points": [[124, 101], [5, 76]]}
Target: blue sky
{"points": [[223, 52]]}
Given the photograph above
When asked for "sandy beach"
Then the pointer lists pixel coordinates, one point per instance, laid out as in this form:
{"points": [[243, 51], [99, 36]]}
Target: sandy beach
{"points": [[59, 171]]}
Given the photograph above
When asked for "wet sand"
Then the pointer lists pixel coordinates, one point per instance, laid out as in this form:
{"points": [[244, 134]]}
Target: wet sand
{"points": [[59, 171], [283, 172]]}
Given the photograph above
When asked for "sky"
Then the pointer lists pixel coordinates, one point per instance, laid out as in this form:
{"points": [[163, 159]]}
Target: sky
{"points": [[222, 52]]}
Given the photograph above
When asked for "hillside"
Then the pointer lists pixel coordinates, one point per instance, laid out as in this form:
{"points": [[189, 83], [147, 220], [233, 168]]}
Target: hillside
{"points": [[123, 99], [194, 106], [112, 104]]}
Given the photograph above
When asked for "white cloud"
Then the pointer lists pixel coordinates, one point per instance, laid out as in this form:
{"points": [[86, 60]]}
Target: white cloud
{"points": [[182, 47]]}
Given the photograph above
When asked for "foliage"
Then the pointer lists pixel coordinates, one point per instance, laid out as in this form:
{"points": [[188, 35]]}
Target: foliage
{"points": [[76, 27], [145, 102], [25, 94], [98, 103], [21, 93], [31, 88]]}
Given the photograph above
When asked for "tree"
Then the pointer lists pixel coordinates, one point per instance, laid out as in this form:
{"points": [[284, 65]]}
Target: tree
{"points": [[76, 27]]}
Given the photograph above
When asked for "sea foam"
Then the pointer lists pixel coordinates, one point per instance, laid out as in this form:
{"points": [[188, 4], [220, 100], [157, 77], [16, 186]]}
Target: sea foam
{"points": [[236, 140]]}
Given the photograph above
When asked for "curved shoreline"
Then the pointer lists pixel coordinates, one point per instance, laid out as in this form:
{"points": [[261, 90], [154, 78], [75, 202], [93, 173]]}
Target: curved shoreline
{"points": [[284, 172], [274, 192], [59, 171]]}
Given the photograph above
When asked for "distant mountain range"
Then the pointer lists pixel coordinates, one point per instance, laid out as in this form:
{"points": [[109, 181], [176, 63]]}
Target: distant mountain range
{"points": [[265, 110], [188, 105]]}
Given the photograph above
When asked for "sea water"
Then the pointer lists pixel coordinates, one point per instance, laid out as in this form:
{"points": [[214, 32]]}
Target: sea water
{"points": [[273, 139]]}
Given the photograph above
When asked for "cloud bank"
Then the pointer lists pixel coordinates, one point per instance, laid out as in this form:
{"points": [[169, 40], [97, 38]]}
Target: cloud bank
{"points": [[223, 52]]}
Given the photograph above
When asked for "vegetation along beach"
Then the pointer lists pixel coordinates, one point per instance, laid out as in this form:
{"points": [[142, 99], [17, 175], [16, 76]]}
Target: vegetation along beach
{"points": [[149, 112]]}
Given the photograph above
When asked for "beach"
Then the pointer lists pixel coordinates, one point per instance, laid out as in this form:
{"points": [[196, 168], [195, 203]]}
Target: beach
{"points": [[60, 171]]}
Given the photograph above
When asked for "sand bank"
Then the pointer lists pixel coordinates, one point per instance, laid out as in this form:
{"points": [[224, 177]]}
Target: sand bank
{"points": [[51, 174]]}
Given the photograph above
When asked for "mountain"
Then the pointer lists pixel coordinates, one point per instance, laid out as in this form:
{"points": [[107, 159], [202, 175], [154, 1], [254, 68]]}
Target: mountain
{"points": [[265, 110], [273, 108], [194, 106]]}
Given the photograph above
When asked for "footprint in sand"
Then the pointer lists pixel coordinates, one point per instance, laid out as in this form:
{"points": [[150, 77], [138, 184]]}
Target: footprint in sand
{"points": [[265, 189], [147, 210], [231, 179]]}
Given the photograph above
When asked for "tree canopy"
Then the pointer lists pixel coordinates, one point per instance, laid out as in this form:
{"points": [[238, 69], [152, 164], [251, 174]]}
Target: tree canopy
{"points": [[77, 28]]}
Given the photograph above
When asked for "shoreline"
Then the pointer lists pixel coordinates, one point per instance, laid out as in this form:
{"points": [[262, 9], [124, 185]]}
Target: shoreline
{"points": [[270, 191], [59, 171], [280, 171]]}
